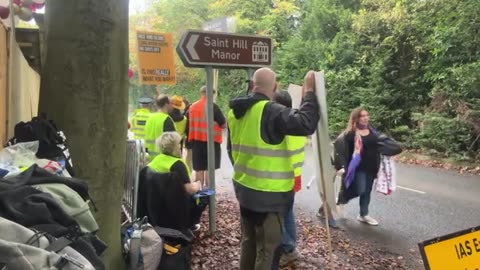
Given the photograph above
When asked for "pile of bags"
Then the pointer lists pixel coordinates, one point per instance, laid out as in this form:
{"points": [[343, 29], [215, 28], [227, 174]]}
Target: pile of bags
{"points": [[45, 216], [36, 142]]}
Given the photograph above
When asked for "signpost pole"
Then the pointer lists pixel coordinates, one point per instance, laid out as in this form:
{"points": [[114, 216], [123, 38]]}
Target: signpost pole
{"points": [[210, 146], [215, 81]]}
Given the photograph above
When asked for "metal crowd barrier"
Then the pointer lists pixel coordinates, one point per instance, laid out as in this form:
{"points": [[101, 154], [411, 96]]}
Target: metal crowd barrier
{"points": [[134, 163]]}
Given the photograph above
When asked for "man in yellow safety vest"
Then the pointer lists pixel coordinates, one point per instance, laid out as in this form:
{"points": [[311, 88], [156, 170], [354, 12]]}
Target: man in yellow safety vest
{"points": [[140, 117], [157, 124], [263, 171]]}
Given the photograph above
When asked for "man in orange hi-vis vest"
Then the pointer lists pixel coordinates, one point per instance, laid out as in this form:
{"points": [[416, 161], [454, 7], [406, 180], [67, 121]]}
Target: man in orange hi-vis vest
{"points": [[197, 136]]}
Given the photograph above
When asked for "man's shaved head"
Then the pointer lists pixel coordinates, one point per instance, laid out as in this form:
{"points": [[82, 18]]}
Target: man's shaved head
{"points": [[265, 82]]}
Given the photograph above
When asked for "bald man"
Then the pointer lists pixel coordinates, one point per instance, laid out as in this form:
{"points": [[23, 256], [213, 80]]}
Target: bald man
{"points": [[262, 160]]}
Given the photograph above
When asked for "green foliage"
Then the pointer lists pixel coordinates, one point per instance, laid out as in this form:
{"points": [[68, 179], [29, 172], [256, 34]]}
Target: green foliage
{"points": [[439, 134], [397, 59]]}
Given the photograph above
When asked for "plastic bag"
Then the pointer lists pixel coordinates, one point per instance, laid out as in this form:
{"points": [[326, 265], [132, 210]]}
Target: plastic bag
{"points": [[18, 156]]}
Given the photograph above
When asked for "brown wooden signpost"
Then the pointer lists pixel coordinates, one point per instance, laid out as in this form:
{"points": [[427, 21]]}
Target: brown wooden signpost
{"points": [[202, 49]]}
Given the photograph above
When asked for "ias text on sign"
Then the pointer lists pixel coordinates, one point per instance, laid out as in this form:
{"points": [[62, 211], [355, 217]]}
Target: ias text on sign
{"points": [[155, 58], [456, 251], [203, 48]]}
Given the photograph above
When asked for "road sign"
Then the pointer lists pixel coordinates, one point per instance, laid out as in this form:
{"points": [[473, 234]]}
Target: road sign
{"points": [[226, 24], [201, 49], [459, 250], [155, 58]]}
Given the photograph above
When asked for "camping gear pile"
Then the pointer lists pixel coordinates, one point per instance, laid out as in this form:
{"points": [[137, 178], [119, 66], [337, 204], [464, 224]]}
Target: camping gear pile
{"points": [[45, 216]]}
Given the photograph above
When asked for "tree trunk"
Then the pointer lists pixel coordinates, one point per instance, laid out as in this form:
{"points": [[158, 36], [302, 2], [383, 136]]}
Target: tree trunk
{"points": [[84, 90]]}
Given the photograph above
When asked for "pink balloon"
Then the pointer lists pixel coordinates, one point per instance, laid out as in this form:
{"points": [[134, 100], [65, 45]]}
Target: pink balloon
{"points": [[130, 73], [4, 12]]}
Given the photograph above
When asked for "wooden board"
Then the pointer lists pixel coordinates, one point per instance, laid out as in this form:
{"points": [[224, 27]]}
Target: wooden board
{"points": [[320, 140], [295, 92], [322, 148], [24, 94]]}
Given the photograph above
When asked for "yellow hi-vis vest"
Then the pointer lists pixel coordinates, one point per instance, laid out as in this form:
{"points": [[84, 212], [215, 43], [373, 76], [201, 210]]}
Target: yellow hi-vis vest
{"points": [[163, 163], [138, 121], [256, 164], [153, 130], [181, 126], [297, 159]]}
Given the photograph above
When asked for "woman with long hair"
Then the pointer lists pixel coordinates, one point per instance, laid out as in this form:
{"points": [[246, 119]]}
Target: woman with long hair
{"points": [[357, 154]]}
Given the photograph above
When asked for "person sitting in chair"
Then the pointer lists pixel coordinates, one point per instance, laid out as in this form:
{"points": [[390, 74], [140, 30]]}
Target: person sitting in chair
{"points": [[166, 186]]}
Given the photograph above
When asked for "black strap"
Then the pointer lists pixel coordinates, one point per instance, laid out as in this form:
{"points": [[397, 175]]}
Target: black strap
{"points": [[167, 232], [59, 244]]}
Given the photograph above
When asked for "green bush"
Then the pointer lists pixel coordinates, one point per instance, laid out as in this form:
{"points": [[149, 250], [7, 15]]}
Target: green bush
{"points": [[439, 134]]}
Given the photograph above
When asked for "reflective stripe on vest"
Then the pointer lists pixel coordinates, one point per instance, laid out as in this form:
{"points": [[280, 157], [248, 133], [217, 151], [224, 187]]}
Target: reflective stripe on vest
{"points": [[297, 159], [197, 124], [266, 152], [258, 165], [153, 130], [204, 130], [263, 174], [163, 163], [138, 122]]}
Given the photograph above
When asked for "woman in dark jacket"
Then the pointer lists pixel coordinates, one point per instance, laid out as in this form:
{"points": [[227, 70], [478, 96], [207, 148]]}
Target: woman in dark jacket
{"points": [[357, 158]]}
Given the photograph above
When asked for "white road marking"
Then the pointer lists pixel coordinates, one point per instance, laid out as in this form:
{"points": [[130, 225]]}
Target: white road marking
{"points": [[411, 189]]}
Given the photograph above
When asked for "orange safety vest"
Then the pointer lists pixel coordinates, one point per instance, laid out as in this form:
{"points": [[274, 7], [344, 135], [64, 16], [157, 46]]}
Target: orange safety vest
{"points": [[197, 123]]}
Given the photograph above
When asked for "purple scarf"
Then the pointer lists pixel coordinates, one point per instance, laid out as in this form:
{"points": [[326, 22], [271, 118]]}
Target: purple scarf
{"points": [[356, 159], [352, 167]]}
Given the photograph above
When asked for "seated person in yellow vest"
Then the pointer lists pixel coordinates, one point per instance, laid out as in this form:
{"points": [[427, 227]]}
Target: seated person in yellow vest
{"points": [[169, 160], [157, 124], [140, 117], [263, 177], [197, 136], [177, 115]]}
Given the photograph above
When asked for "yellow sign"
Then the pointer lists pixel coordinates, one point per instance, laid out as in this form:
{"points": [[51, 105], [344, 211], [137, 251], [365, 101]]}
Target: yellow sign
{"points": [[458, 251], [155, 58]]}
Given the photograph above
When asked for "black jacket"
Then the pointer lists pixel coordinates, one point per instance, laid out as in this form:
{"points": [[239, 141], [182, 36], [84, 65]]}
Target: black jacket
{"points": [[277, 122], [343, 150], [163, 199], [25, 205], [35, 175], [343, 155], [176, 115]]}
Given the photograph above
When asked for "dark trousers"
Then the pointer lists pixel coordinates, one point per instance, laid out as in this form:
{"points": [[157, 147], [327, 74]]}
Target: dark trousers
{"points": [[196, 209], [261, 235]]}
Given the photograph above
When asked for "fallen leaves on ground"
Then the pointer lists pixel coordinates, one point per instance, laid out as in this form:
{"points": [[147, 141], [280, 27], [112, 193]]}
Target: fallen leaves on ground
{"points": [[222, 250]]}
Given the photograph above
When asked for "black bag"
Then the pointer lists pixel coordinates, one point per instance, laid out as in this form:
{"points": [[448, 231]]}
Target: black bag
{"points": [[177, 250], [388, 146], [52, 142]]}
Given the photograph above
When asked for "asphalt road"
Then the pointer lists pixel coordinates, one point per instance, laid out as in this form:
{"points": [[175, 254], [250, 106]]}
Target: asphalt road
{"points": [[427, 203]]}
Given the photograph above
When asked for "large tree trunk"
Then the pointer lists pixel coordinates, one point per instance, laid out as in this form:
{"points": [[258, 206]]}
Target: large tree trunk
{"points": [[85, 91]]}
